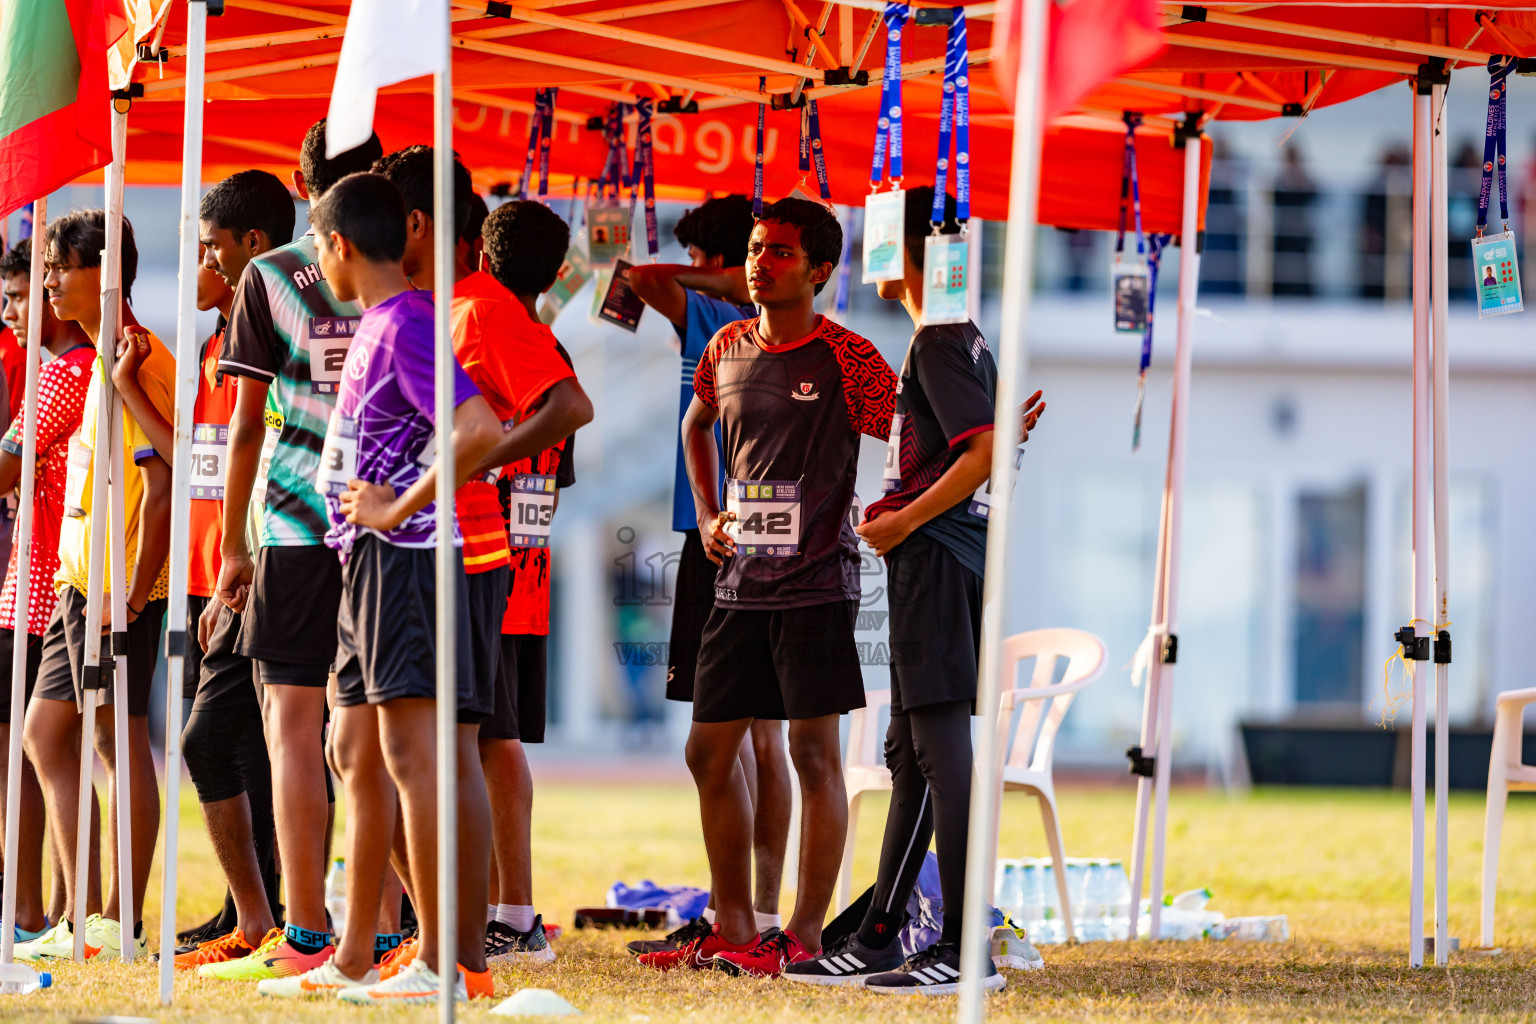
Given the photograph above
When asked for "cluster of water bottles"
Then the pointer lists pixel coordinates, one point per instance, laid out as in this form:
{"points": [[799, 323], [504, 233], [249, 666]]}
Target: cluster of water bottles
{"points": [[1098, 889]]}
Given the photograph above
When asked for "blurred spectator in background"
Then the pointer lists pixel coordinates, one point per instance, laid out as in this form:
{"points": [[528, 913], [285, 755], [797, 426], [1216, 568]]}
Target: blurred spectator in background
{"points": [[1461, 218], [1222, 270], [1295, 195], [1385, 215]]}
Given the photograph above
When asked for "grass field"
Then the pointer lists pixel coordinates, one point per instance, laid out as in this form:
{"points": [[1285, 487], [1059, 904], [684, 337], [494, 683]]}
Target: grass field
{"points": [[1336, 862]]}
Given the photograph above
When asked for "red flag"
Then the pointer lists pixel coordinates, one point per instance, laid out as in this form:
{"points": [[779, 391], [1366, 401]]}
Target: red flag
{"points": [[55, 120], [1090, 41]]}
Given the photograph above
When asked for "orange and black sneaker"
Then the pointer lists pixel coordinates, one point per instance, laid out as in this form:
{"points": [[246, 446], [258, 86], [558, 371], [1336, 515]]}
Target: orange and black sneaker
{"points": [[398, 958], [694, 929], [214, 951], [697, 954], [478, 984]]}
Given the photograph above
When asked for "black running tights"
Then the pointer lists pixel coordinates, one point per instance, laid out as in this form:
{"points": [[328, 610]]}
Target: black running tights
{"points": [[928, 751]]}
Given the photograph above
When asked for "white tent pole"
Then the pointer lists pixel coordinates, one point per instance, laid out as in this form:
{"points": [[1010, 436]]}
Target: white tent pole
{"points": [[1439, 298], [1150, 717], [1013, 361], [1422, 576], [23, 542], [188, 373], [117, 573], [447, 689], [101, 462]]}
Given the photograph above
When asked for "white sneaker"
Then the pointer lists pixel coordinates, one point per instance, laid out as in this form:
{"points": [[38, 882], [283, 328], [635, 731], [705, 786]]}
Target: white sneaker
{"points": [[324, 980], [1011, 948], [416, 983]]}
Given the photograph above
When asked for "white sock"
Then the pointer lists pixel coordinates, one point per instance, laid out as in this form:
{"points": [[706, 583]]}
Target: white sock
{"points": [[490, 912], [709, 914], [766, 921], [517, 918]]}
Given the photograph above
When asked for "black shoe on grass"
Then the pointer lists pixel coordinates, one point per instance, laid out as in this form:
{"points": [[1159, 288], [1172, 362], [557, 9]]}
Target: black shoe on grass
{"points": [[850, 962], [934, 971], [698, 928]]}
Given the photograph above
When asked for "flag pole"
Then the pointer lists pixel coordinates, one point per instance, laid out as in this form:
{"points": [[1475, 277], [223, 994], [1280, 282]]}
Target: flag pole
{"points": [[447, 689], [23, 609], [1013, 360], [188, 373]]}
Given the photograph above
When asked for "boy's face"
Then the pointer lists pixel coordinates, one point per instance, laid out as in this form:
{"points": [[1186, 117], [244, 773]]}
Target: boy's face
{"points": [[418, 243], [228, 253], [895, 291], [74, 291], [704, 261], [212, 288], [332, 251], [16, 306], [778, 270]]}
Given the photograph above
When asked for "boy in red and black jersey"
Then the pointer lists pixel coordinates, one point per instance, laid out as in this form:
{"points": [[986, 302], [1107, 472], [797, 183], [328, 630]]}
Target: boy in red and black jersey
{"points": [[931, 528], [793, 393]]}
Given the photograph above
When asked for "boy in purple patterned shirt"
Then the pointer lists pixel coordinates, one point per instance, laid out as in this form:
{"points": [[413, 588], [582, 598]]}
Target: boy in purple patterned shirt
{"points": [[378, 471]]}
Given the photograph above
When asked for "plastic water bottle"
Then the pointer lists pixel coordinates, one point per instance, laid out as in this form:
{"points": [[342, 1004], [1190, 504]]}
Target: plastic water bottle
{"points": [[1008, 887], [336, 893], [1117, 902], [1052, 930], [1253, 929], [19, 980], [1088, 914], [1032, 902]]}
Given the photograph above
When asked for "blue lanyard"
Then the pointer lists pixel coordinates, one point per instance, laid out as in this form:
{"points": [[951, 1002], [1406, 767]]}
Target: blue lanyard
{"points": [[1130, 186], [540, 128], [888, 126], [1154, 256], [811, 149], [757, 168], [613, 178], [1499, 68], [954, 116], [645, 159]]}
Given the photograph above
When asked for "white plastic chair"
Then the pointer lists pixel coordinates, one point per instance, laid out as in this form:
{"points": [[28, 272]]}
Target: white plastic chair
{"points": [[1027, 764], [1506, 772]]}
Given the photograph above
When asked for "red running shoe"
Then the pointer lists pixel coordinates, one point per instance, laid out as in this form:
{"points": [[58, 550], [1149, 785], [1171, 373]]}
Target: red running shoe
{"points": [[777, 950], [698, 954]]}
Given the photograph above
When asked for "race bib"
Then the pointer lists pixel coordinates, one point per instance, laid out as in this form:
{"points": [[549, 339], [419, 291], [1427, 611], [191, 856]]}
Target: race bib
{"points": [[890, 479], [338, 459], [885, 215], [1498, 275], [981, 501], [268, 446], [532, 510], [77, 475], [1132, 286], [210, 443], [327, 339], [946, 279], [767, 514]]}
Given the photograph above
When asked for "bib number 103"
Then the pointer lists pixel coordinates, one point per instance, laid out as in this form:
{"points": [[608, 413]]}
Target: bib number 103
{"points": [[531, 510]]}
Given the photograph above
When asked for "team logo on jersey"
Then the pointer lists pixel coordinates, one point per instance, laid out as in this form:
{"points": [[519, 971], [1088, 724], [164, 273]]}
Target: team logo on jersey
{"points": [[357, 366], [805, 390]]}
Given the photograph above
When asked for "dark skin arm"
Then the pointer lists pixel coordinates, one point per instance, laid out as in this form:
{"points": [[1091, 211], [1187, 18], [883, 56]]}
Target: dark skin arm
{"points": [[703, 464], [566, 408], [661, 286], [247, 430], [10, 472]]}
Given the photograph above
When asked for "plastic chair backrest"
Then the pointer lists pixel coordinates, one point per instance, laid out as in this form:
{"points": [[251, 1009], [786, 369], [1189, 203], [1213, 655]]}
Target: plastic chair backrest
{"points": [[1044, 700], [865, 749]]}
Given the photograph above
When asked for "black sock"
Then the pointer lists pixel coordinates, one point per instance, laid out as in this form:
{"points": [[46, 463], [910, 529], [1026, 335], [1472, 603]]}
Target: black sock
{"points": [[138, 930], [305, 941], [880, 929], [383, 943]]}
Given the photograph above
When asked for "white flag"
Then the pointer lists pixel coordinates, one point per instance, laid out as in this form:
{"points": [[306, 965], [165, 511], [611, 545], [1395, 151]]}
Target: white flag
{"points": [[387, 41]]}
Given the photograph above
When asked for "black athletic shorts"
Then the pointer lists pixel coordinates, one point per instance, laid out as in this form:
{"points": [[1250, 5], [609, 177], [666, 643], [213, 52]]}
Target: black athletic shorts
{"points": [[58, 677], [487, 603], [34, 659], [386, 629], [783, 663], [227, 680], [693, 599], [289, 623], [935, 624], [521, 686]]}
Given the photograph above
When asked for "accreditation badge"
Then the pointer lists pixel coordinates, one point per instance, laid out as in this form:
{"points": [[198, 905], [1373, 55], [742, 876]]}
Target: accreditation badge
{"points": [[608, 226], [1498, 275], [946, 280], [573, 275], [1132, 287], [885, 215]]}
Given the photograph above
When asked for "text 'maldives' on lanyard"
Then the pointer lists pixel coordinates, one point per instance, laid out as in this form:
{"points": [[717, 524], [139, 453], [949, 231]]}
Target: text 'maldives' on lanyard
{"points": [[541, 128], [947, 258], [885, 212], [1494, 261]]}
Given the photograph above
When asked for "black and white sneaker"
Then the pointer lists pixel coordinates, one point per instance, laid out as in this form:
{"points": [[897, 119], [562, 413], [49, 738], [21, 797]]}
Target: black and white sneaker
{"points": [[698, 928], [934, 971], [505, 944], [850, 962]]}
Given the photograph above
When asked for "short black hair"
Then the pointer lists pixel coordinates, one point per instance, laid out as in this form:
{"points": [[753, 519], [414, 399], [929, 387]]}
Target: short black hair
{"points": [[919, 221], [525, 244], [821, 236], [18, 260], [720, 227], [366, 210], [320, 173], [413, 170], [250, 201], [83, 234], [474, 223]]}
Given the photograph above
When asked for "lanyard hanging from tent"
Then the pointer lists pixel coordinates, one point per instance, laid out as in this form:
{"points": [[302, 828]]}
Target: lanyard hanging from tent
{"points": [[947, 258], [613, 178], [540, 128], [1494, 260], [757, 166], [811, 150], [645, 173], [888, 125], [1156, 245], [1130, 276]]}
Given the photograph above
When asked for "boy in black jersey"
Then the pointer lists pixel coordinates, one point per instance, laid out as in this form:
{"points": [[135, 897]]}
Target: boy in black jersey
{"points": [[928, 529], [793, 392]]}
